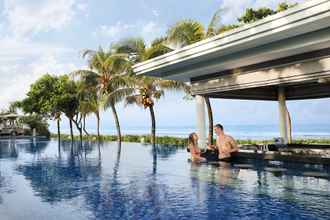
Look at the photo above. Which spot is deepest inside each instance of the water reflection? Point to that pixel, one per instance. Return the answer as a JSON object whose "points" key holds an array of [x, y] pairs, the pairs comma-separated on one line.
{"points": [[55, 179], [8, 149], [101, 180], [265, 184], [164, 151]]}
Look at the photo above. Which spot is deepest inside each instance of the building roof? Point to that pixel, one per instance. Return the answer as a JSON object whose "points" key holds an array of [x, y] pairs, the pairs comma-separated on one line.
{"points": [[297, 31]]}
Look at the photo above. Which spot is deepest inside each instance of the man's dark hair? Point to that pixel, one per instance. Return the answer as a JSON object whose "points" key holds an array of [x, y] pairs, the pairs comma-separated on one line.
{"points": [[219, 126]]}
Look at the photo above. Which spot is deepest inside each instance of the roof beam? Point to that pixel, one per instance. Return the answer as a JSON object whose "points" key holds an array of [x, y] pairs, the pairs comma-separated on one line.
{"points": [[297, 73]]}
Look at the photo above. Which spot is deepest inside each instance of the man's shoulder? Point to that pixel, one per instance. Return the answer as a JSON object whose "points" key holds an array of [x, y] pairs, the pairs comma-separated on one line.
{"points": [[228, 137]]}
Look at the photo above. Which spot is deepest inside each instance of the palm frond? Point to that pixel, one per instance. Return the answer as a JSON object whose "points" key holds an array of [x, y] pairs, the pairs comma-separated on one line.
{"points": [[172, 85], [117, 82], [87, 53], [134, 47], [134, 99], [214, 24], [155, 51], [158, 94], [185, 32], [116, 96], [84, 74]]}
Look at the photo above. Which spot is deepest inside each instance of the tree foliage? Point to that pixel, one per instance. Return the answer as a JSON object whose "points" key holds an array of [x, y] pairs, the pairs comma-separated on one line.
{"points": [[252, 15], [42, 96], [185, 32], [37, 122]]}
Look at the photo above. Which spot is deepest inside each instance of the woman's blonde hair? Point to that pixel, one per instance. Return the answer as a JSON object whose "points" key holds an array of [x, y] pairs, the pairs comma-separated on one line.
{"points": [[191, 139]]}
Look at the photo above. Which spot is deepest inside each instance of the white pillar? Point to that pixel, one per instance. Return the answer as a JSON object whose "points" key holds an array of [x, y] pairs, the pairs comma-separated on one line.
{"points": [[283, 114], [289, 125], [200, 120]]}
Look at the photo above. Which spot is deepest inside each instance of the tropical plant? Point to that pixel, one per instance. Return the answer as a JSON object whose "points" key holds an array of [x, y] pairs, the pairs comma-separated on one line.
{"points": [[142, 90], [251, 15], [37, 122], [42, 99], [145, 91], [89, 101], [106, 74], [68, 103], [185, 32], [284, 6]]}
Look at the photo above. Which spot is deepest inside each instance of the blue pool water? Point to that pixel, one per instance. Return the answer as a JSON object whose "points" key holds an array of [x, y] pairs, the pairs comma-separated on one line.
{"points": [[38, 180]]}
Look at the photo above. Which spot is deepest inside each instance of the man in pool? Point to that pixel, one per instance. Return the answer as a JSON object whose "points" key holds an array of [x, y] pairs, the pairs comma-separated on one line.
{"points": [[225, 144]]}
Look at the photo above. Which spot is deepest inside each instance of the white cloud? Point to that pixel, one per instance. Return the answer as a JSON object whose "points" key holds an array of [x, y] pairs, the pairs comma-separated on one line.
{"points": [[151, 30], [16, 79], [22, 59], [148, 30], [155, 12], [13, 49], [30, 17], [113, 31], [83, 6]]}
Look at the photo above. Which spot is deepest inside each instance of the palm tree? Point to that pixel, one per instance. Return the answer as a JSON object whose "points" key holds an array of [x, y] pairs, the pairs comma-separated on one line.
{"points": [[141, 90], [89, 100], [146, 91], [107, 68], [187, 32]]}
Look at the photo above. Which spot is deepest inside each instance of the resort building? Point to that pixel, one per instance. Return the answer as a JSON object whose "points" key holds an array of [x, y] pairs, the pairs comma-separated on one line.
{"points": [[285, 56]]}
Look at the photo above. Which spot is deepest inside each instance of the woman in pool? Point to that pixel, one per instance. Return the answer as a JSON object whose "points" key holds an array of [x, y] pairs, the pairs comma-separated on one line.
{"points": [[194, 149], [209, 154]]}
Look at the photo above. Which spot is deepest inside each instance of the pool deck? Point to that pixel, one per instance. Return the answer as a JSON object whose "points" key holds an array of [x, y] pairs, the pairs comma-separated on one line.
{"points": [[283, 156], [298, 153]]}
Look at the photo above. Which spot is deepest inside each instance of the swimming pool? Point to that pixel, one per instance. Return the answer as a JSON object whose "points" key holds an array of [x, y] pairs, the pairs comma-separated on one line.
{"points": [[38, 180]]}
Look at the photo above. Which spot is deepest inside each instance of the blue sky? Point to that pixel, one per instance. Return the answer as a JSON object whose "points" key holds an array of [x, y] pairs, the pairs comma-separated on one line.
{"points": [[40, 36]]}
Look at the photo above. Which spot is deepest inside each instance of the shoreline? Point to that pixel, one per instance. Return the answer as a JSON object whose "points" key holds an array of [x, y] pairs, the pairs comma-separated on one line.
{"points": [[178, 141]]}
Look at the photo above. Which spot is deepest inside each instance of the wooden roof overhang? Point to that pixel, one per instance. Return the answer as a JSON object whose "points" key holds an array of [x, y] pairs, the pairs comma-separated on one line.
{"points": [[290, 49]]}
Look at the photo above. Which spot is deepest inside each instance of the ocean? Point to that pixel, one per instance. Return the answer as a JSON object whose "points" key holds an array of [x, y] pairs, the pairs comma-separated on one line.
{"points": [[238, 131]]}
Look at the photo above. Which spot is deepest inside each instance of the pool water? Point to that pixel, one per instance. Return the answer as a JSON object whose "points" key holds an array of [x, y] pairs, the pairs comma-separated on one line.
{"points": [[40, 180]]}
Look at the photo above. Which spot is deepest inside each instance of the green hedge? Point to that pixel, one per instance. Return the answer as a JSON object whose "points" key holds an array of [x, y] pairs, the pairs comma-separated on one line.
{"points": [[167, 140]]}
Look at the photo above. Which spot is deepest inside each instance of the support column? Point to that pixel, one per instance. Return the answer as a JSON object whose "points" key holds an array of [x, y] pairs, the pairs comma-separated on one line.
{"points": [[200, 120], [289, 124], [283, 115]]}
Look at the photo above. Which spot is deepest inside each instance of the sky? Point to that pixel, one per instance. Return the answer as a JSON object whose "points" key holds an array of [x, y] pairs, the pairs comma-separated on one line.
{"points": [[47, 36]]}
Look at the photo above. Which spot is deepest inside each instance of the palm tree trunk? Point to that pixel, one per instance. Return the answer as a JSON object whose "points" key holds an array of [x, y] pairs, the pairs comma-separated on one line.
{"points": [[210, 116], [71, 130], [153, 125], [58, 131], [80, 135], [115, 115], [84, 125], [79, 127], [98, 124]]}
